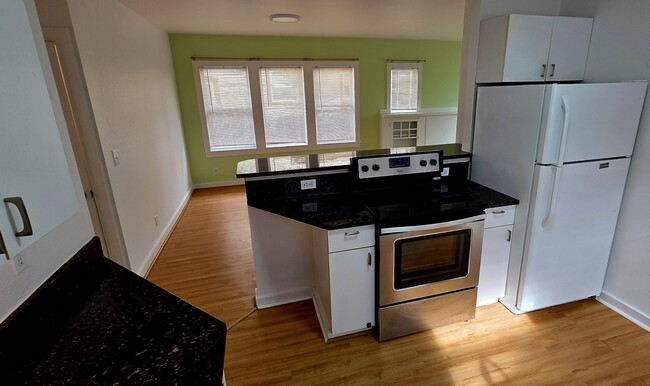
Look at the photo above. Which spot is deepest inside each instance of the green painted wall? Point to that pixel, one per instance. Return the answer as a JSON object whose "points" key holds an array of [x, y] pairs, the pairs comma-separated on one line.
{"points": [[441, 79]]}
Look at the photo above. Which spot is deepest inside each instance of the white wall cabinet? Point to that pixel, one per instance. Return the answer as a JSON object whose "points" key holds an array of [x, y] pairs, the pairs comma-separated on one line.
{"points": [[33, 162], [344, 280], [495, 254], [530, 48]]}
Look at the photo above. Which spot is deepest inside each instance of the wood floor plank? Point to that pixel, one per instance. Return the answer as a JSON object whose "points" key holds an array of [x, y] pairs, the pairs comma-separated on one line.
{"points": [[208, 262]]}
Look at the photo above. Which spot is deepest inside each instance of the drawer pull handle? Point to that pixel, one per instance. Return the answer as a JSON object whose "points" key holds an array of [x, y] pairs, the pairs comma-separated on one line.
{"points": [[498, 211], [20, 205], [348, 234], [3, 247]]}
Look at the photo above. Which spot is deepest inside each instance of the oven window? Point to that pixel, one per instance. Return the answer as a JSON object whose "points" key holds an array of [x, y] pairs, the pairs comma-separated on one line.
{"points": [[432, 258]]}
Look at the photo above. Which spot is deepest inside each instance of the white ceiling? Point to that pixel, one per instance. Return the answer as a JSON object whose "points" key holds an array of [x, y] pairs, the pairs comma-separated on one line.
{"points": [[401, 19]]}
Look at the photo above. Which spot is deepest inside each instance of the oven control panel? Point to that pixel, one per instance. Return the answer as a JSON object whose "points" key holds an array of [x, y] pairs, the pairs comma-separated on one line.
{"points": [[397, 164]]}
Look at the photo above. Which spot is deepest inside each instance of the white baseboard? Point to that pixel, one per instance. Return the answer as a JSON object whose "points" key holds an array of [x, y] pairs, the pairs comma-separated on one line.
{"points": [[219, 184], [280, 298], [625, 310], [160, 243]]}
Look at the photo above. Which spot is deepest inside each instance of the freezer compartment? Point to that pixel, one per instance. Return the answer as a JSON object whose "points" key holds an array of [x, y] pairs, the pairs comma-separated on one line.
{"points": [[590, 121], [573, 215]]}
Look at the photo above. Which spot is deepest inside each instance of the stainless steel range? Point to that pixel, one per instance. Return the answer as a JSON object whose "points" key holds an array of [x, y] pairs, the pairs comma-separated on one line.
{"points": [[429, 240]]}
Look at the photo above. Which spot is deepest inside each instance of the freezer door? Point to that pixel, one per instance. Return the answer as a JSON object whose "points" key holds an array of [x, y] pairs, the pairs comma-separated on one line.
{"points": [[570, 230], [590, 121]]}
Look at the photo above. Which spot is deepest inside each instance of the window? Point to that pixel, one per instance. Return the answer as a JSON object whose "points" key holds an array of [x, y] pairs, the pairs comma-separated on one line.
{"points": [[405, 85], [334, 104], [250, 107], [283, 106], [228, 108]]}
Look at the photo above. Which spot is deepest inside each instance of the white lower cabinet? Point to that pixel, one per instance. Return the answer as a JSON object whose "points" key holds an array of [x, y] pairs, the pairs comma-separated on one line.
{"points": [[352, 287], [495, 254], [344, 280]]}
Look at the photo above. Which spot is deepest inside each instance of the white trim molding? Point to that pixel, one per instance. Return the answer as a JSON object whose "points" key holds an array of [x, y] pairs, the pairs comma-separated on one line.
{"points": [[280, 298], [148, 263], [218, 184], [625, 310]]}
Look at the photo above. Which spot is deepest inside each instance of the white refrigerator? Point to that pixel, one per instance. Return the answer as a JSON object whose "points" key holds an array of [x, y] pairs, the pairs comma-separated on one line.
{"points": [[564, 151]]}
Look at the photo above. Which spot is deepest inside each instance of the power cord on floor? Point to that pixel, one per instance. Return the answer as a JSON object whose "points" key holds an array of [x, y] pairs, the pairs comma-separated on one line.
{"points": [[242, 318]]}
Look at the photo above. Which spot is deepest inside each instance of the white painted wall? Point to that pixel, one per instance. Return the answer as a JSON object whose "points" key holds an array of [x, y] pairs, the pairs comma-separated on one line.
{"points": [[475, 11], [128, 70], [54, 13], [620, 50], [45, 256]]}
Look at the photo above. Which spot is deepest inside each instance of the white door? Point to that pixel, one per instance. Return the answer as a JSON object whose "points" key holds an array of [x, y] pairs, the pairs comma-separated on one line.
{"points": [[352, 286], [33, 164], [567, 57], [75, 138], [570, 231], [527, 48], [594, 121], [495, 254]]}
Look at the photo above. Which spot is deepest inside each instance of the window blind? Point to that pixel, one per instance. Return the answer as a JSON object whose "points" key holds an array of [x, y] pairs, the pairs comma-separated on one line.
{"points": [[334, 104], [283, 106], [228, 108], [404, 89]]}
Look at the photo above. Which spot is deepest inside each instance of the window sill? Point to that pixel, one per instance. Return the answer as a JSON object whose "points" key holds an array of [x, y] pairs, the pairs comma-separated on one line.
{"points": [[427, 112], [284, 150]]}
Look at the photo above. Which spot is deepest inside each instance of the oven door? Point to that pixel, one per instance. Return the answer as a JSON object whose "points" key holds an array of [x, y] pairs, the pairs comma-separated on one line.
{"points": [[427, 260]]}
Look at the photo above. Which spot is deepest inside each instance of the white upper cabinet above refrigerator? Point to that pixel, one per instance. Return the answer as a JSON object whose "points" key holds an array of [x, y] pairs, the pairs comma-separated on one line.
{"points": [[530, 48], [590, 121]]}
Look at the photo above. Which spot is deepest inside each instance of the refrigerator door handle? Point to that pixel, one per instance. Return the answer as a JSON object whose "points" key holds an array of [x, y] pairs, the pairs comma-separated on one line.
{"points": [[565, 130], [550, 207]]}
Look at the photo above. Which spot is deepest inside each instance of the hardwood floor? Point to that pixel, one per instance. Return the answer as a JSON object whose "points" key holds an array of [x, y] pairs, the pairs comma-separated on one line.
{"points": [[207, 261]]}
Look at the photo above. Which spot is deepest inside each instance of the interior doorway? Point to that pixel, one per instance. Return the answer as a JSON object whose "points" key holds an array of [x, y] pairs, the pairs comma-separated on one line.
{"points": [[75, 139]]}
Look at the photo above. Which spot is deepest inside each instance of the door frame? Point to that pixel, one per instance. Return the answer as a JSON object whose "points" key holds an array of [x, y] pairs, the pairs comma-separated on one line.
{"points": [[90, 142]]}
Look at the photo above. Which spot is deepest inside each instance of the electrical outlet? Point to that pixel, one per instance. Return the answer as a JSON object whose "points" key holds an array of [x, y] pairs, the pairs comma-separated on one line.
{"points": [[155, 219], [215, 171], [308, 184], [19, 263]]}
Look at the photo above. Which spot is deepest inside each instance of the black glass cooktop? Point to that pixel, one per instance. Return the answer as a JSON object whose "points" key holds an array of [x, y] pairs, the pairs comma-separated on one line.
{"points": [[418, 204]]}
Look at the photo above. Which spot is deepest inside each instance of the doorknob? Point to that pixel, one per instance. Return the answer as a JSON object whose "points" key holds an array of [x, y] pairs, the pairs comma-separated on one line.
{"points": [[3, 247], [27, 225]]}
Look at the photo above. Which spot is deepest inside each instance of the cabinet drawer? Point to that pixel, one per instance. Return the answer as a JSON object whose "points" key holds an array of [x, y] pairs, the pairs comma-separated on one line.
{"points": [[351, 238], [503, 215]]}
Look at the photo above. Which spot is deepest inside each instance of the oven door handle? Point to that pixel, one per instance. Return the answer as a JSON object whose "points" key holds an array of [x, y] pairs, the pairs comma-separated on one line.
{"points": [[426, 227]]}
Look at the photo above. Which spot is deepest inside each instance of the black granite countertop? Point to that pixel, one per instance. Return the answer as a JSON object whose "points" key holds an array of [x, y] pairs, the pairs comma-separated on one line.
{"points": [[336, 211], [328, 212], [94, 322], [331, 161]]}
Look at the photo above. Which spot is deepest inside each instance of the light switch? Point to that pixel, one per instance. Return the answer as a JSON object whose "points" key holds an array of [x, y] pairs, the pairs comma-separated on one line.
{"points": [[116, 157]]}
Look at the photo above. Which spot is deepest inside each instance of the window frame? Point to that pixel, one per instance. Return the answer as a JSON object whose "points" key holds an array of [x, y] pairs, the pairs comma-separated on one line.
{"points": [[253, 67], [418, 65]]}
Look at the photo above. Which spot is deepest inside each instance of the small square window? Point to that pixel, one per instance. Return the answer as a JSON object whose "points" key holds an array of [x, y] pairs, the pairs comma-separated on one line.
{"points": [[404, 86]]}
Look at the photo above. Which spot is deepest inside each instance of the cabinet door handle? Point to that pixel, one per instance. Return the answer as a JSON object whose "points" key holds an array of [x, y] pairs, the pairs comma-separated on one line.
{"points": [[3, 247], [27, 225], [369, 259], [347, 234], [543, 71], [509, 235], [552, 70]]}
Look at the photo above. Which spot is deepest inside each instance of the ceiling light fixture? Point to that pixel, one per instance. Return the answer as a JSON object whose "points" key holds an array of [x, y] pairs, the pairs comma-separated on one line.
{"points": [[284, 18]]}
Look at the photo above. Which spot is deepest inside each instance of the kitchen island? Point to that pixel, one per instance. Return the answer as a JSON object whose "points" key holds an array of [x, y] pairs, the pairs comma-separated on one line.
{"points": [[306, 209]]}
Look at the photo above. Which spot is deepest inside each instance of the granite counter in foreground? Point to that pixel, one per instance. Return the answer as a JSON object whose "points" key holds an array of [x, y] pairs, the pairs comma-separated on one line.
{"points": [[94, 322]]}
